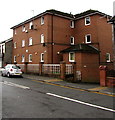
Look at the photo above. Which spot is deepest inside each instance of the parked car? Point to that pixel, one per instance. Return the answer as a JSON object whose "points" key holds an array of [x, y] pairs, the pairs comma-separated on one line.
{"points": [[11, 70]]}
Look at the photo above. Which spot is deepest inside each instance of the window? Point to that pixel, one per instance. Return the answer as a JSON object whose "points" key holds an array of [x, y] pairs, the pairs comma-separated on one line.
{"points": [[72, 40], [30, 57], [15, 31], [42, 20], [23, 43], [23, 58], [88, 38], [15, 44], [71, 57], [3, 48], [23, 28], [31, 25], [72, 24], [87, 21], [42, 57], [30, 41], [42, 38], [14, 58], [107, 57]]}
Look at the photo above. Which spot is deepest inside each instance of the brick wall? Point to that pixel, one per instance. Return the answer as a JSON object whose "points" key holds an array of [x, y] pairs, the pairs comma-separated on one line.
{"points": [[101, 35]]}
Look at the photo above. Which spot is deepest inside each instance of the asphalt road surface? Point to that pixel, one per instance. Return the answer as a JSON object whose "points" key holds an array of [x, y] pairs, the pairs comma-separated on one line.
{"points": [[27, 98]]}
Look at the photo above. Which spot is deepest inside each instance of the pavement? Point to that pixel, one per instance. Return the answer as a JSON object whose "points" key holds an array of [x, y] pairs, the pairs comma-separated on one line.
{"points": [[90, 87]]}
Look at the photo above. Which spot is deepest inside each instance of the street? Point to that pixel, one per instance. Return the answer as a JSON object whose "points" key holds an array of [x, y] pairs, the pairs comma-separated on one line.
{"points": [[27, 98]]}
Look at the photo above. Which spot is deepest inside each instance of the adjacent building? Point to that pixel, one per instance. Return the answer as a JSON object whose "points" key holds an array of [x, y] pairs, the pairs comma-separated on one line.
{"points": [[54, 36], [112, 21], [6, 52]]}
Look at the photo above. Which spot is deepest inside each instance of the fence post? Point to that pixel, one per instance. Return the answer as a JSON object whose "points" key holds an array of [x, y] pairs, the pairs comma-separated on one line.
{"points": [[74, 71], [25, 67], [103, 75], [40, 68], [62, 69]]}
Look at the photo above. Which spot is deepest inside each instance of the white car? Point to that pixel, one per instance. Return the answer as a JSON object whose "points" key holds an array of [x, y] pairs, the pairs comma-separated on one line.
{"points": [[11, 70]]}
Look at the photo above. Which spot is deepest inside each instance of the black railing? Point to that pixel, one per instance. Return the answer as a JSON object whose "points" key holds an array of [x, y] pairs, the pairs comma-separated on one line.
{"points": [[111, 73]]}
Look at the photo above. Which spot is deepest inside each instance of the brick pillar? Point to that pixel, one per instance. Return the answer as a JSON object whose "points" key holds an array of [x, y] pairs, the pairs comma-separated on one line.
{"points": [[74, 72], [103, 75], [62, 70], [25, 67], [40, 68]]}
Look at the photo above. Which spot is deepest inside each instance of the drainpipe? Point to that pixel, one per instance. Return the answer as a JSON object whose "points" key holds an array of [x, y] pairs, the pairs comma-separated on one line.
{"points": [[52, 41], [114, 35], [113, 44]]}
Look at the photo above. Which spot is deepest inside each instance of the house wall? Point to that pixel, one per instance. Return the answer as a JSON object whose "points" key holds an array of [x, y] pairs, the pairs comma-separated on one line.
{"points": [[101, 35], [8, 53], [59, 35], [36, 48], [0, 60], [88, 64], [57, 32]]}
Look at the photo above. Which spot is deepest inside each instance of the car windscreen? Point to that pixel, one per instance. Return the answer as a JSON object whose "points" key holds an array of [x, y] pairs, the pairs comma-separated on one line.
{"points": [[16, 67]]}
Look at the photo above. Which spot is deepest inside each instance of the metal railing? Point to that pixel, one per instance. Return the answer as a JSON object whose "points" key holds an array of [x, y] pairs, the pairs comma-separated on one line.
{"points": [[51, 69], [69, 69], [33, 68]]}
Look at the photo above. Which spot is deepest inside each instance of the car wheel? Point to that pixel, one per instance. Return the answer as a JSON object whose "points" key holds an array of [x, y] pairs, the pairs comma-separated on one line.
{"points": [[8, 74], [2, 74]]}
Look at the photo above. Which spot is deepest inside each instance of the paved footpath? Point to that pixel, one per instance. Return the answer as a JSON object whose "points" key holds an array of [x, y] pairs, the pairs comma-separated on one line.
{"points": [[90, 87]]}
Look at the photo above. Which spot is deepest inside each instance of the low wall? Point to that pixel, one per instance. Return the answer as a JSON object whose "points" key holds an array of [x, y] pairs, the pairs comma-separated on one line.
{"points": [[110, 81], [33, 68]]}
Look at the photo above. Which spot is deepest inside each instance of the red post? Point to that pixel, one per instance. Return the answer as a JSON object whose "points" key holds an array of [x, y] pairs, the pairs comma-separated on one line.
{"points": [[25, 67], [63, 70], [103, 75], [40, 68], [74, 72]]}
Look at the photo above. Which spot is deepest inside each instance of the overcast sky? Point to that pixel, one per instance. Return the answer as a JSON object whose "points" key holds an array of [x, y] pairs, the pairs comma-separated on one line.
{"points": [[13, 12]]}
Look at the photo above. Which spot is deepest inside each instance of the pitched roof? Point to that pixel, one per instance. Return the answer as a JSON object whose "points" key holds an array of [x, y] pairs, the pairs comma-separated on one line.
{"points": [[90, 12], [113, 19], [61, 14], [5, 41], [51, 11], [84, 48], [56, 12]]}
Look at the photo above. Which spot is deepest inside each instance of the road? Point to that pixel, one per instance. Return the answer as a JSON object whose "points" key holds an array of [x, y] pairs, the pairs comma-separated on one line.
{"points": [[26, 98]]}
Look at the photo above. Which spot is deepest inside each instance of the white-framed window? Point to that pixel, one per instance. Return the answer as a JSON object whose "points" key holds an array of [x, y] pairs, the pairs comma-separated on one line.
{"points": [[88, 38], [42, 38], [42, 20], [23, 58], [15, 58], [108, 57], [72, 24], [15, 32], [72, 40], [71, 57], [42, 57], [30, 57], [15, 45], [31, 26], [23, 28], [30, 41], [87, 21], [3, 48], [23, 43]]}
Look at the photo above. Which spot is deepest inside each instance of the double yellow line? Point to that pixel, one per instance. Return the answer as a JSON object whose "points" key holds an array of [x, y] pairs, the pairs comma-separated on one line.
{"points": [[69, 87]]}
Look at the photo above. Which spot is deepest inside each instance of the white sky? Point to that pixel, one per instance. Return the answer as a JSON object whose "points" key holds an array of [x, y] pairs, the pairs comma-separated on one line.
{"points": [[13, 12]]}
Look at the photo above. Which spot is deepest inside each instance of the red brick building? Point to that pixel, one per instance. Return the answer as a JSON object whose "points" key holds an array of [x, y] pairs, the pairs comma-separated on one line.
{"points": [[44, 37]]}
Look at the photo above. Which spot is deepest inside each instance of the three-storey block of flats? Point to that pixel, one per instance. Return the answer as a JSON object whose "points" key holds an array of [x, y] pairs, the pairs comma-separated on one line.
{"points": [[54, 36]]}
